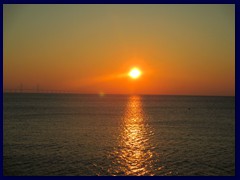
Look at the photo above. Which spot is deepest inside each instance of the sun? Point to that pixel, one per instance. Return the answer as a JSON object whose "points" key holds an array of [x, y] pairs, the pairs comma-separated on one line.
{"points": [[134, 73]]}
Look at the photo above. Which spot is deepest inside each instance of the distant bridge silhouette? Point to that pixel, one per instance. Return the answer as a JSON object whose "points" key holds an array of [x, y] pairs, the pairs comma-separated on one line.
{"points": [[20, 90]]}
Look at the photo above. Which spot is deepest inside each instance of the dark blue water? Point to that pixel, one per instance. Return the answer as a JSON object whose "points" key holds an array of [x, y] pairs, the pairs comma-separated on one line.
{"points": [[63, 134]]}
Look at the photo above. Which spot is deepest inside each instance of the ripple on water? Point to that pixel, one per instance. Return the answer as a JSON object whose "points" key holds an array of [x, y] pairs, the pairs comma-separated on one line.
{"points": [[135, 153]]}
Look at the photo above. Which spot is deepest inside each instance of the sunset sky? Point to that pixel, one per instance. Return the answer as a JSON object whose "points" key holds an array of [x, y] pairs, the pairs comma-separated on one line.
{"points": [[180, 49]]}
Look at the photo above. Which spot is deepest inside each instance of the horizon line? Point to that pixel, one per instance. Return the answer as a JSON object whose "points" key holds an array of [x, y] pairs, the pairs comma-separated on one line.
{"points": [[104, 94]]}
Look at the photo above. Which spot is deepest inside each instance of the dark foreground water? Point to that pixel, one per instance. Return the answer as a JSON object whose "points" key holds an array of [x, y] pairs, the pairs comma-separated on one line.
{"points": [[57, 134]]}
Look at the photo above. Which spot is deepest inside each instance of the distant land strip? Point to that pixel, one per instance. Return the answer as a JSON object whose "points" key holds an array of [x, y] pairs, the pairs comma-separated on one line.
{"points": [[35, 91]]}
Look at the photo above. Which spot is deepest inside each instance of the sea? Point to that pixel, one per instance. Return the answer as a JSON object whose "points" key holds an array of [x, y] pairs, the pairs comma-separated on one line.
{"points": [[118, 135]]}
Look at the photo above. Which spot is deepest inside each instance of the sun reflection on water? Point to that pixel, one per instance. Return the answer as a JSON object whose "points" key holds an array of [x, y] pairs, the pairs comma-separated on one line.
{"points": [[134, 155]]}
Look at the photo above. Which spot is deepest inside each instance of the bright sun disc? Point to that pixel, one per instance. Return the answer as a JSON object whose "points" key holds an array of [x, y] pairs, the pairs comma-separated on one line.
{"points": [[134, 73]]}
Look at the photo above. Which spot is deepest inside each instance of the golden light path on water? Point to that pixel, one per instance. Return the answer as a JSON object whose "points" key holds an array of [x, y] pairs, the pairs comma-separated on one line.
{"points": [[134, 155]]}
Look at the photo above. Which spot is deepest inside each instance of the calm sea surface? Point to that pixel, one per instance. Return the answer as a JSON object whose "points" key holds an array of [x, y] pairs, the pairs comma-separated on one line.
{"points": [[60, 134]]}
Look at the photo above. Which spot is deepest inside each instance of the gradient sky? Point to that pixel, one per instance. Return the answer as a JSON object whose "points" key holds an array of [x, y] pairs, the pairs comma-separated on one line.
{"points": [[181, 49]]}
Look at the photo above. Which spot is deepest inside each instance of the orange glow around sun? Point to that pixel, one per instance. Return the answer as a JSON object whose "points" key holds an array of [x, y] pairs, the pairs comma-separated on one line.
{"points": [[134, 73]]}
